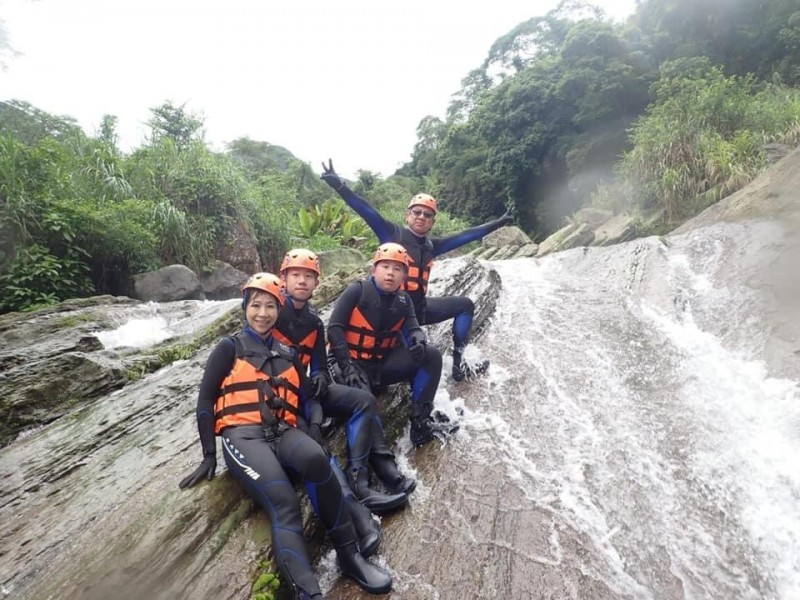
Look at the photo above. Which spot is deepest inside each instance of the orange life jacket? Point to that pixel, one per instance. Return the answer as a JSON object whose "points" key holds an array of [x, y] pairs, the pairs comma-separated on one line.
{"points": [[298, 329], [420, 262], [263, 386], [372, 330]]}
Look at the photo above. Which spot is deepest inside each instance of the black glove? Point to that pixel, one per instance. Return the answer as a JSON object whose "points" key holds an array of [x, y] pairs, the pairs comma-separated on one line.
{"points": [[506, 218], [355, 377], [204, 471], [315, 433], [417, 350], [319, 385], [330, 177]]}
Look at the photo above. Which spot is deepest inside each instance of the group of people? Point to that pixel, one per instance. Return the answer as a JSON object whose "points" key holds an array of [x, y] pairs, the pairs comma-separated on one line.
{"points": [[267, 390]]}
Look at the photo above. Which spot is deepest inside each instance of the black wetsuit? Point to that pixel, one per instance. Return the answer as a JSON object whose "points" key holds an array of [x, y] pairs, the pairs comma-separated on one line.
{"points": [[422, 249], [359, 407], [398, 365], [266, 469]]}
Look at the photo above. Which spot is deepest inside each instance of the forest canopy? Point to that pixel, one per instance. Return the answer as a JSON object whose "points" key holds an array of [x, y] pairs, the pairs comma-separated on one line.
{"points": [[656, 117]]}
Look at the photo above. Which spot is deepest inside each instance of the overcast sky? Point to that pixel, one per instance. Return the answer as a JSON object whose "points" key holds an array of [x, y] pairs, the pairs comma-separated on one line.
{"points": [[347, 79]]}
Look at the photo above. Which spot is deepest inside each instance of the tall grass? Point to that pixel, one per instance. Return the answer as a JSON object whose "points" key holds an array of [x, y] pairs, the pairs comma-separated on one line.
{"points": [[702, 139]]}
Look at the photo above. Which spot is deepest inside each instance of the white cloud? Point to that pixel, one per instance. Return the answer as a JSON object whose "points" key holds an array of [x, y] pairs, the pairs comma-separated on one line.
{"points": [[347, 79]]}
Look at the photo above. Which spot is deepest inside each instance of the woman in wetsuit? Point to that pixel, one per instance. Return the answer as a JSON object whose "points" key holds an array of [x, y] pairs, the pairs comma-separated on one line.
{"points": [[254, 396]]}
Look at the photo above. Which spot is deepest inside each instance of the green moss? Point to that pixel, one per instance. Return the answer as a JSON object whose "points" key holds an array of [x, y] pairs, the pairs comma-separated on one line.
{"points": [[69, 321], [267, 582], [169, 354]]}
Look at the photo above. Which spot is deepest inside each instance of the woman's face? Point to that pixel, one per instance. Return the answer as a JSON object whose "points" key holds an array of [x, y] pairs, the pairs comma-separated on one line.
{"points": [[261, 312]]}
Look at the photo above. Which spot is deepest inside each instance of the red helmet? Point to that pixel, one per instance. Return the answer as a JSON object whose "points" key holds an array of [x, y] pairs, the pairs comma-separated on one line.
{"points": [[425, 200], [391, 251], [302, 259], [265, 282]]}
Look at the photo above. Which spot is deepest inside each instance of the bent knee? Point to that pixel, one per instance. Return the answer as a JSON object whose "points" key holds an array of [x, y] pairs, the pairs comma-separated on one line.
{"points": [[433, 357], [318, 468], [362, 401]]}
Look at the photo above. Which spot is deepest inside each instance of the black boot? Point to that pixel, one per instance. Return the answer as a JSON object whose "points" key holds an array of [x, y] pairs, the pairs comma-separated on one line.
{"points": [[424, 429], [367, 529], [385, 468], [377, 502], [463, 370], [371, 578]]}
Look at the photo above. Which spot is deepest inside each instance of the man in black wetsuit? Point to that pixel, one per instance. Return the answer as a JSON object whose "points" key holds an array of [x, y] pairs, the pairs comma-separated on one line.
{"points": [[422, 249]]}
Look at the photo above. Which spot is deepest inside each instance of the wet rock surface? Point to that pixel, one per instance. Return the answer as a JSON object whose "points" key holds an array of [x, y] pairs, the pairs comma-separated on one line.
{"points": [[632, 439], [90, 502]]}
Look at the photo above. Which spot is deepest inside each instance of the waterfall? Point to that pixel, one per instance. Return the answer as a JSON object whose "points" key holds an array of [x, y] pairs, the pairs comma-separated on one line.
{"points": [[637, 436]]}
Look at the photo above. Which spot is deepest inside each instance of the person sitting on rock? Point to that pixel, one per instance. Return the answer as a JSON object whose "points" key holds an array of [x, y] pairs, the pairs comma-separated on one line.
{"points": [[300, 327], [256, 398], [375, 340], [422, 249]]}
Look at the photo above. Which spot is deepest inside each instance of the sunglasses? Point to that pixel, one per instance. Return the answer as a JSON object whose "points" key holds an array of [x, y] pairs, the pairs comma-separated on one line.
{"points": [[422, 213]]}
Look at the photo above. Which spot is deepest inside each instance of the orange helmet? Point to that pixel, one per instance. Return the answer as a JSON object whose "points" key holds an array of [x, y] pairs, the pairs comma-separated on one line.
{"points": [[391, 251], [302, 259], [265, 282], [425, 200]]}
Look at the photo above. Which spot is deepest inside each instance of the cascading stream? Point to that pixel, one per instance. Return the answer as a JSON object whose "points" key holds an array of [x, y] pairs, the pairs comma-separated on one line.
{"points": [[629, 442], [636, 436]]}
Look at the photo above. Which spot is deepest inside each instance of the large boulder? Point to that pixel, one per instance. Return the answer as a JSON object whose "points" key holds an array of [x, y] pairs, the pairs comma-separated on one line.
{"points": [[175, 282], [505, 243], [222, 282], [572, 235], [102, 482]]}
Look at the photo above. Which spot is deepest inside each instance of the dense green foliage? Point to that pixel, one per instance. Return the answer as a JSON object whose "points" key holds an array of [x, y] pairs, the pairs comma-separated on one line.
{"points": [[79, 217], [561, 98], [703, 138], [660, 115]]}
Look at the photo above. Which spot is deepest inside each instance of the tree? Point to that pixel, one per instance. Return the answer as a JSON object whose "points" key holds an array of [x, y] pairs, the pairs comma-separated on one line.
{"points": [[175, 123], [259, 157], [31, 125], [108, 132]]}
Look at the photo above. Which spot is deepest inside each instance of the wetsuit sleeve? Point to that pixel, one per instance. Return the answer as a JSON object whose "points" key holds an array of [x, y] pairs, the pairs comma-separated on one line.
{"points": [[411, 329], [473, 234], [219, 364], [337, 324], [318, 351], [383, 229], [311, 409]]}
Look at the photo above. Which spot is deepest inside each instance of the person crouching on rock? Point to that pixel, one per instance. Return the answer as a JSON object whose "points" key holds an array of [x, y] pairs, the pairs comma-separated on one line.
{"points": [[256, 398], [375, 340]]}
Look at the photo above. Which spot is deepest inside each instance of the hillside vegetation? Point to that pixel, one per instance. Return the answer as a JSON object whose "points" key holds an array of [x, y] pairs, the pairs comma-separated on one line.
{"points": [[657, 117]]}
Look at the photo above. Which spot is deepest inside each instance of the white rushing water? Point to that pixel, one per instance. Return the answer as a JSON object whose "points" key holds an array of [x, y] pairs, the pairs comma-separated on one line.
{"points": [[673, 450], [151, 323]]}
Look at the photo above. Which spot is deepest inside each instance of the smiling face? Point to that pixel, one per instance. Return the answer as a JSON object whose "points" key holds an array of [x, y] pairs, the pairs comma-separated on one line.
{"points": [[261, 312], [389, 275], [300, 283], [420, 219]]}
